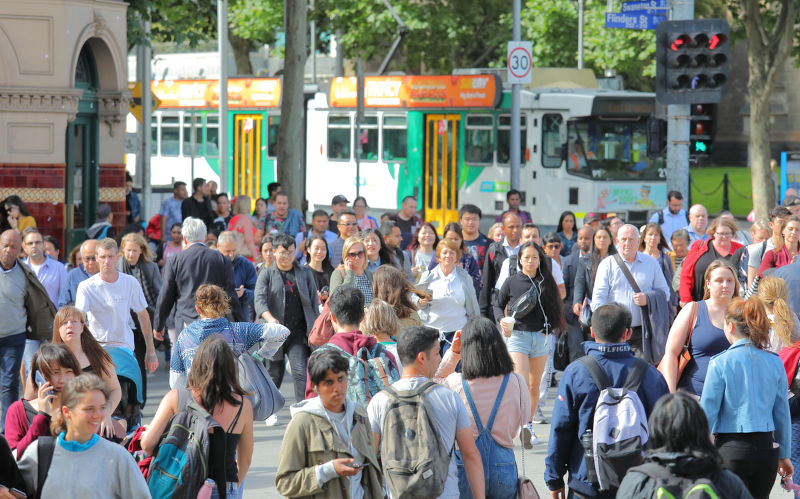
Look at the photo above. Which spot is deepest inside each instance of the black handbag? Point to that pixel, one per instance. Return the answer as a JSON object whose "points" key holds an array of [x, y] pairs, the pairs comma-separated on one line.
{"points": [[525, 303], [561, 353]]}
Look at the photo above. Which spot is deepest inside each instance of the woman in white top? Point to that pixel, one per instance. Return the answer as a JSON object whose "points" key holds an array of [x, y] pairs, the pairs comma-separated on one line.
{"points": [[453, 299], [784, 328]]}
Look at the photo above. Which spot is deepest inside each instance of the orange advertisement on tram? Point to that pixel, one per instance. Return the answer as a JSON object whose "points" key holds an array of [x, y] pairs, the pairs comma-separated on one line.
{"points": [[454, 91], [198, 94]]}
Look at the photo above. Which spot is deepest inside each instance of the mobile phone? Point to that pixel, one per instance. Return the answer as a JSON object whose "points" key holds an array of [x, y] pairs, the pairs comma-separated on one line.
{"points": [[18, 494], [40, 381], [359, 465]]}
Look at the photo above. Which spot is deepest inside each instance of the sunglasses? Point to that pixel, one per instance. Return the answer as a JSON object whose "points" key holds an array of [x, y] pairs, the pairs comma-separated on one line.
{"points": [[356, 254]]}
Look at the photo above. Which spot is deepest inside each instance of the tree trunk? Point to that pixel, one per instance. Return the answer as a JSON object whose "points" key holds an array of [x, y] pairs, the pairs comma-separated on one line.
{"points": [[766, 53], [291, 173], [241, 53]]}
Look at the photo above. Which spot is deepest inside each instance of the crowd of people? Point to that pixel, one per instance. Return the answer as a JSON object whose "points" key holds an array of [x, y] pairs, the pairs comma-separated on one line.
{"points": [[417, 354]]}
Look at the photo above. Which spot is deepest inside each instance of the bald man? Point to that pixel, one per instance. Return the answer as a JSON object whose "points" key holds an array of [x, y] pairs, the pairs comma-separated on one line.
{"points": [[86, 269], [13, 320], [698, 223], [611, 285]]}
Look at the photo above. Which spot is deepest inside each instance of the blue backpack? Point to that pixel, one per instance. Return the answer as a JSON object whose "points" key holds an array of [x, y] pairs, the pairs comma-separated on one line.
{"points": [[370, 371], [191, 449]]}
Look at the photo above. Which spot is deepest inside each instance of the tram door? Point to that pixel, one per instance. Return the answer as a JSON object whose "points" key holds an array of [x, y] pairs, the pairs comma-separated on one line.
{"points": [[247, 155], [441, 169]]}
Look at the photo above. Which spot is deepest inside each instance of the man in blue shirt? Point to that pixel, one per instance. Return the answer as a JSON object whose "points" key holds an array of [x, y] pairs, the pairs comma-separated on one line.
{"points": [[244, 273], [573, 410], [51, 273], [86, 269], [673, 216], [698, 223], [171, 209], [283, 219]]}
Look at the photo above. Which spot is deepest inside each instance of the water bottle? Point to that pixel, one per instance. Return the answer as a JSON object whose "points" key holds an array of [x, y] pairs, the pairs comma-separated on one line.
{"points": [[588, 455], [206, 489]]}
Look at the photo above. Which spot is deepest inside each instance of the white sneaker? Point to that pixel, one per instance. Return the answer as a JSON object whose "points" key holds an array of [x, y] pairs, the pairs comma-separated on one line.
{"points": [[272, 420], [528, 436], [534, 439]]}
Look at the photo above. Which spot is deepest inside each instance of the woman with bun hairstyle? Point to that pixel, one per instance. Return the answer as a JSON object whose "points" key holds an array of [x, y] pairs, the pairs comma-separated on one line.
{"points": [[83, 466], [744, 398], [29, 419]]}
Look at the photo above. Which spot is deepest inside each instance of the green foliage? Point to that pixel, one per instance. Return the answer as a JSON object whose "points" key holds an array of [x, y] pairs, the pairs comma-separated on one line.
{"points": [[257, 20], [180, 21]]}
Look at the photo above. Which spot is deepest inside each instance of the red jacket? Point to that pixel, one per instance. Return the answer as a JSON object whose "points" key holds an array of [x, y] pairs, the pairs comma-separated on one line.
{"points": [[18, 433], [698, 249]]}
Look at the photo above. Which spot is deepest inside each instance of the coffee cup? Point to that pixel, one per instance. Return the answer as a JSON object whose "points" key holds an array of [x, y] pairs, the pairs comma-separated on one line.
{"points": [[507, 323]]}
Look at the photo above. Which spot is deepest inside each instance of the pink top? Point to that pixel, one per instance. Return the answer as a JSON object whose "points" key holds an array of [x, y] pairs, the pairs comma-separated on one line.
{"points": [[514, 411]]}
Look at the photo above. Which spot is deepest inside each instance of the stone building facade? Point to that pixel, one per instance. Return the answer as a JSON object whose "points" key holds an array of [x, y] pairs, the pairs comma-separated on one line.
{"points": [[63, 101]]}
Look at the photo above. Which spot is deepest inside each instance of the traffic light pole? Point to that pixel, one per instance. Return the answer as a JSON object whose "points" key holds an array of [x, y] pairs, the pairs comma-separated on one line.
{"points": [[678, 121]]}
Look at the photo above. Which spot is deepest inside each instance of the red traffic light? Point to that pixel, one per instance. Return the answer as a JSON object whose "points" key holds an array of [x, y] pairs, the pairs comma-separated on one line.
{"points": [[717, 40], [681, 42]]}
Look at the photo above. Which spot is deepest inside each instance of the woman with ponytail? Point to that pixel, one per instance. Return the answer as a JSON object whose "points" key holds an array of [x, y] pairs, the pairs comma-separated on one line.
{"points": [[784, 326], [83, 465], [744, 398]]}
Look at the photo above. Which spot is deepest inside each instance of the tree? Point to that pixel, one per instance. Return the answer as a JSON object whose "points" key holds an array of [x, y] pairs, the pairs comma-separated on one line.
{"points": [[170, 21], [769, 26], [290, 133]]}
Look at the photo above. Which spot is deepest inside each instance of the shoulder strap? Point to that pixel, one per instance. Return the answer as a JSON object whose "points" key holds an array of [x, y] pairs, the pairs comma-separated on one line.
{"points": [[692, 321], [653, 470], [596, 370], [236, 418], [46, 448], [475, 416], [497, 401], [636, 375], [660, 217], [626, 271]]}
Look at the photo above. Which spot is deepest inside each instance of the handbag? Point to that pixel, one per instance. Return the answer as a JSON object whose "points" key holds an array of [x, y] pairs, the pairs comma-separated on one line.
{"points": [[686, 353], [561, 352], [585, 316], [254, 378]]}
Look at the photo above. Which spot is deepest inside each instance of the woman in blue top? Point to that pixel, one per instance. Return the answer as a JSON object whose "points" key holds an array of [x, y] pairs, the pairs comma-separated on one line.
{"points": [[212, 306], [567, 232], [708, 339], [744, 398]]}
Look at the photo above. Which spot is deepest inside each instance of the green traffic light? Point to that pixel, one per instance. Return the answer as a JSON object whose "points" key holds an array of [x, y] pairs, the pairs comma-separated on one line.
{"points": [[700, 147]]}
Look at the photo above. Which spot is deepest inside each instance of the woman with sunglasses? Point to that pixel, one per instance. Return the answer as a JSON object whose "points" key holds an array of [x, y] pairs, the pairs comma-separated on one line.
{"points": [[353, 269]]}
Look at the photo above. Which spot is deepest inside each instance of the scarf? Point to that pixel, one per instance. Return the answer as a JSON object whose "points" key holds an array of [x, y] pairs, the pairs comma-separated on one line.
{"points": [[137, 271]]}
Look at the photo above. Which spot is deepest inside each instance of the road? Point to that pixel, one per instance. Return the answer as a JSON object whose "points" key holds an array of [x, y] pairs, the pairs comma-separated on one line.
{"points": [[260, 481]]}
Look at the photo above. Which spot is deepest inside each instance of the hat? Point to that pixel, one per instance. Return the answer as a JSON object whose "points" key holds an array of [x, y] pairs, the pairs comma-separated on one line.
{"points": [[791, 200], [339, 199]]}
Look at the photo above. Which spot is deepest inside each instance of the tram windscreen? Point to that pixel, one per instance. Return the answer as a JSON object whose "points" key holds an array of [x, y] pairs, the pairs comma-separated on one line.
{"points": [[611, 150]]}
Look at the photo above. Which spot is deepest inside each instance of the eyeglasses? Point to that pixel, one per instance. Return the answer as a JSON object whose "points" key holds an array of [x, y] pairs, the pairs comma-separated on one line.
{"points": [[88, 259], [348, 224], [356, 254], [723, 234], [282, 254]]}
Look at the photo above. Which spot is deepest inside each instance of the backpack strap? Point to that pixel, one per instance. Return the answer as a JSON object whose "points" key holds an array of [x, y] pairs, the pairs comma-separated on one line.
{"points": [[653, 470], [45, 449], [636, 375], [596, 370], [661, 217]]}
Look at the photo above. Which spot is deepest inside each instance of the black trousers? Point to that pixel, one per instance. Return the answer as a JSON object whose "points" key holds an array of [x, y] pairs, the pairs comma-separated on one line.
{"points": [[296, 347], [752, 457]]}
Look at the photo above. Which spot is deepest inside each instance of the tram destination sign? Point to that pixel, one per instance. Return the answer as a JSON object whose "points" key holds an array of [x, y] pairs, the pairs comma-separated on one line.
{"points": [[634, 20]]}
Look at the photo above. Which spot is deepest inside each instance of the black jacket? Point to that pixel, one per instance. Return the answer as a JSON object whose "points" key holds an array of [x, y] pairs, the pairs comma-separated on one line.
{"points": [[190, 207], [582, 287], [495, 256], [270, 294], [183, 274]]}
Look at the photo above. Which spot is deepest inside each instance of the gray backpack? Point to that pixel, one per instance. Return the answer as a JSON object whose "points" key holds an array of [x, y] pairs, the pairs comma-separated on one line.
{"points": [[415, 461]]}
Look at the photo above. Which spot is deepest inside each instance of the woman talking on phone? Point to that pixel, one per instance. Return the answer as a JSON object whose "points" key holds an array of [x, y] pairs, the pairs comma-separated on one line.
{"points": [[328, 448]]}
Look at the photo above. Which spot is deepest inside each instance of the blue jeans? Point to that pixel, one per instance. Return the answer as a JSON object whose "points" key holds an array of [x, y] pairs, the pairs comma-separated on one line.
{"points": [[11, 349], [795, 457], [27, 356], [232, 491]]}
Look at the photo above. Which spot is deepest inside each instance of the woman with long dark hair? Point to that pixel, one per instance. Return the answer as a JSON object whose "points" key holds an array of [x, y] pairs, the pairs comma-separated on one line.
{"points": [[377, 252], [527, 334], [421, 250], [679, 446], [602, 246], [319, 262], [15, 215], [744, 398], [214, 385], [498, 403], [567, 231], [30, 417]]}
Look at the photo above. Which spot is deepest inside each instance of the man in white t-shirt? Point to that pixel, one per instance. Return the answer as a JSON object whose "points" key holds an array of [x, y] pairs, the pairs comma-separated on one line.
{"points": [[418, 348], [107, 299]]}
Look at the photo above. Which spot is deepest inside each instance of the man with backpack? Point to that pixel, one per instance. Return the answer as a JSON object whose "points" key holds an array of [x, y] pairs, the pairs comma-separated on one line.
{"points": [[417, 421], [592, 427], [372, 366], [672, 217]]}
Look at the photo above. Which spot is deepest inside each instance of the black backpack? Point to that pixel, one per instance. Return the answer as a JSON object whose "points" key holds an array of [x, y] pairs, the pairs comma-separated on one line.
{"points": [[670, 486], [191, 449]]}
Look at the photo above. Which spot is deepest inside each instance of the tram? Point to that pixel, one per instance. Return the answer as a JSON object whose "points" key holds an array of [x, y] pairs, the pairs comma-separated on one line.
{"points": [[444, 139]]}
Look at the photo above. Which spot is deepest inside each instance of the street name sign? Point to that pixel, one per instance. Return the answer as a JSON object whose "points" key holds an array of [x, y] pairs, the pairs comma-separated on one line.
{"points": [[633, 20]]}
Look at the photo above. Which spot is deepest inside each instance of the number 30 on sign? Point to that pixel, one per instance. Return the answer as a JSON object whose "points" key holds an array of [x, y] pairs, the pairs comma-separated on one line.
{"points": [[519, 62]]}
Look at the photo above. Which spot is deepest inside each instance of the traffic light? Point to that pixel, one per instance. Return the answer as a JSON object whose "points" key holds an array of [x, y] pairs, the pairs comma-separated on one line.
{"points": [[702, 130], [692, 60]]}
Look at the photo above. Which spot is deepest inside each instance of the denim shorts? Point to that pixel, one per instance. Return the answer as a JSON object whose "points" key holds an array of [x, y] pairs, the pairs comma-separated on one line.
{"points": [[531, 343]]}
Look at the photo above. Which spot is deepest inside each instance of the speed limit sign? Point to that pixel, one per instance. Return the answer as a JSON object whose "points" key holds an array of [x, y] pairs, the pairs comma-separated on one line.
{"points": [[519, 63]]}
